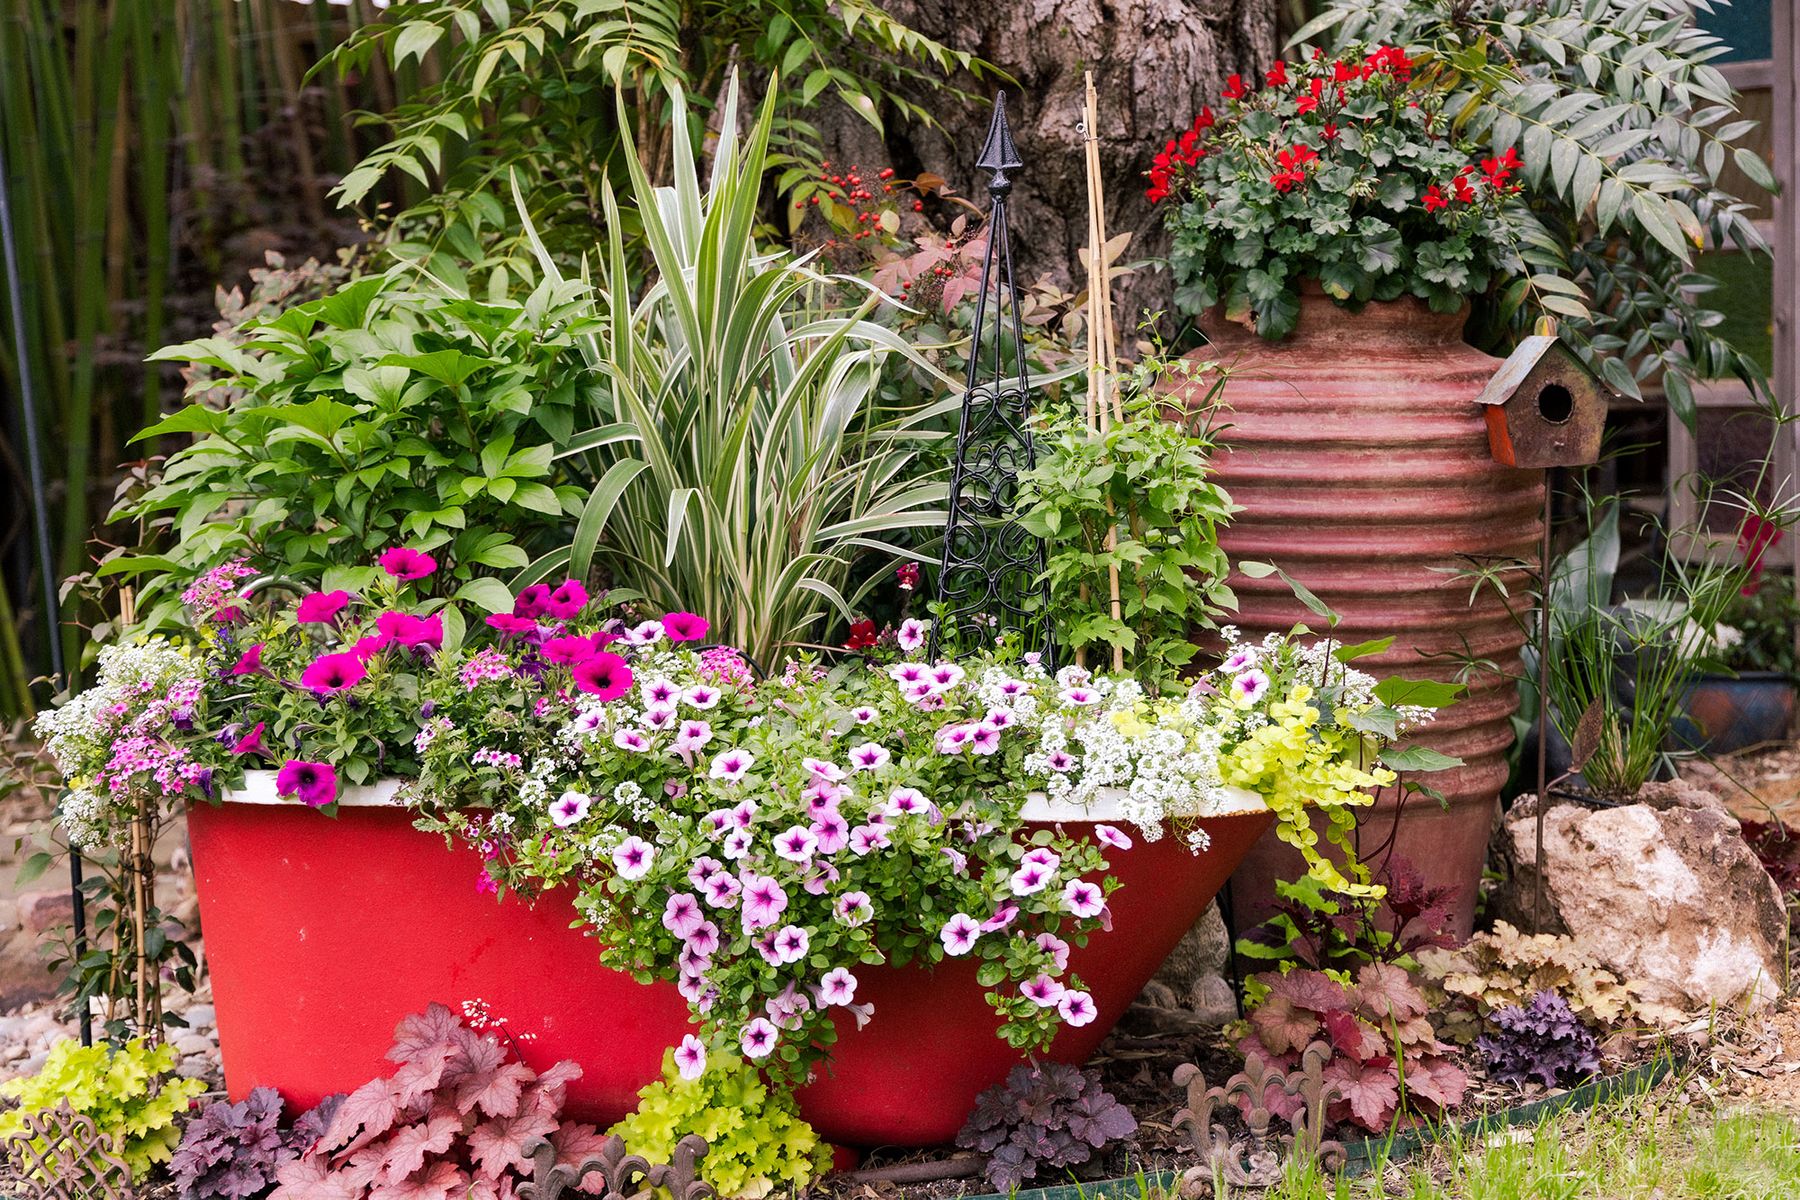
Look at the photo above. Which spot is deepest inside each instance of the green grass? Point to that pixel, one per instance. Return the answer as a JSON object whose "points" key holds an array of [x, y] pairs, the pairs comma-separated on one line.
{"points": [[1651, 1147]]}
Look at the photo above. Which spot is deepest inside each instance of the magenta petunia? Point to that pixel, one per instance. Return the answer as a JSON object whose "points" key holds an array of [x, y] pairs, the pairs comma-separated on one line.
{"points": [[569, 649], [405, 563], [332, 673], [567, 601], [685, 627], [313, 784], [532, 601], [370, 645], [511, 624], [250, 662], [321, 608], [251, 743], [605, 675], [415, 633]]}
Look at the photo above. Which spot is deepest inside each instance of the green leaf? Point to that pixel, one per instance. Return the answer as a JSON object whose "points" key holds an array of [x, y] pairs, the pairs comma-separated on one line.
{"points": [[415, 40], [195, 418], [1345, 654], [1419, 758], [1396, 692], [488, 593]]}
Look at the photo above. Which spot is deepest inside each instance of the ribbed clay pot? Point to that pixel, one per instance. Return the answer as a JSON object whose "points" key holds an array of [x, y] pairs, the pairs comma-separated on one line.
{"points": [[1361, 461]]}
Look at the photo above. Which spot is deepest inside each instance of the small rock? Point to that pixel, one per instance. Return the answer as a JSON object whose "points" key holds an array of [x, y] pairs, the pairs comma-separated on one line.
{"points": [[201, 1016], [193, 1043], [193, 1066], [35, 1063], [42, 911]]}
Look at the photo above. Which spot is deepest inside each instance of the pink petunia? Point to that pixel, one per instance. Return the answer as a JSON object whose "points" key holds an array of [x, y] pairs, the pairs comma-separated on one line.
{"points": [[1043, 991], [959, 934], [759, 1038], [415, 633], [1030, 878], [704, 939], [511, 624], [1076, 1008], [703, 868], [1083, 899], [865, 839], [406, 564], [721, 890], [632, 740], [332, 673], [250, 743], [831, 832], [250, 662], [604, 675], [681, 914], [1043, 856], [685, 627], [571, 808], [731, 765], [633, 858], [869, 757], [314, 784], [1249, 687], [701, 695], [1056, 948], [692, 736], [791, 944], [1109, 836], [911, 635], [763, 901], [690, 1057], [854, 908], [837, 988], [796, 844]]}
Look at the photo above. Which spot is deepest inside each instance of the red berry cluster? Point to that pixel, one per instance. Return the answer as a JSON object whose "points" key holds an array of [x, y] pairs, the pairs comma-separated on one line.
{"points": [[849, 189]]}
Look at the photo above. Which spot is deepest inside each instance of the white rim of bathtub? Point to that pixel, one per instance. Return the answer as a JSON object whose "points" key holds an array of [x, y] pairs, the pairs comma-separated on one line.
{"points": [[259, 788]]}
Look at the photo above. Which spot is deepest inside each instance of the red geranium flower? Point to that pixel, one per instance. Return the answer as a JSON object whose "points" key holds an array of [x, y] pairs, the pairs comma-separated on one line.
{"points": [[1234, 88], [1434, 199], [1277, 75]]}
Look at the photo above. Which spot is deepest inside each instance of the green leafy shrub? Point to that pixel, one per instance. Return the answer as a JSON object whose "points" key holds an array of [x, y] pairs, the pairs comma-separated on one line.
{"points": [[755, 1138], [1760, 621], [127, 1092], [391, 412], [1139, 498], [527, 88]]}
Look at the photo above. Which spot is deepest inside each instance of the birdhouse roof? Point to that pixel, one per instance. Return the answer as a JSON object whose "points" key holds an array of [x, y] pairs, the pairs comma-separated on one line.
{"points": [[1511, 375]]}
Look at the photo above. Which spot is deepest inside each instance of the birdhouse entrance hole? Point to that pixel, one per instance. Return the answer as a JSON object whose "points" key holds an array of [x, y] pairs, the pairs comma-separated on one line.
{"points": [[1555, 403]]}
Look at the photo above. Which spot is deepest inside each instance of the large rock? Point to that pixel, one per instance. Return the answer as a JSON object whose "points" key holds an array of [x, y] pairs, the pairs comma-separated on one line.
{"points": [[1663, 892]]}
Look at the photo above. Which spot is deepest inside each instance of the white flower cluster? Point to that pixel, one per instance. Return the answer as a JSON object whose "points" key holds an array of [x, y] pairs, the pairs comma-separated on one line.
{"points": [[135, 682]]}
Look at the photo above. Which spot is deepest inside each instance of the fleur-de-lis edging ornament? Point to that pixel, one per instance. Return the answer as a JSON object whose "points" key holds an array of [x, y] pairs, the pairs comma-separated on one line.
{"points": [[991, 579], [621, 1176], [1265, 1090]]}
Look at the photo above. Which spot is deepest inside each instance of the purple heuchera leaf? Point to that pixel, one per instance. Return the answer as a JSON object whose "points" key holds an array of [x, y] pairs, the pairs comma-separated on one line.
{"points": [[1543, 1040], [232, 1151], [1050, 1115]]}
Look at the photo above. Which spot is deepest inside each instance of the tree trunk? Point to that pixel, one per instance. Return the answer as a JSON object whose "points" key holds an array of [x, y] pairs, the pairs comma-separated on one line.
{"points": [[1155, 62]]}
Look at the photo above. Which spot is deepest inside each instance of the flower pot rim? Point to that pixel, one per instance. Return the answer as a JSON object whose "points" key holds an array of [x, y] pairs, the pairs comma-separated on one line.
{"points": [[258, 788], [1746, 677]]}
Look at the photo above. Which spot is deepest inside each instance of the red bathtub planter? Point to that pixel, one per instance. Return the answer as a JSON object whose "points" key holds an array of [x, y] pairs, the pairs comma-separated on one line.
{"points": [[321, 933]]}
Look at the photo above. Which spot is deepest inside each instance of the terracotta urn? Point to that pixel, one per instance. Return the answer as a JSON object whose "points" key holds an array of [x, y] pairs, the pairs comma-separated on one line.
{"points": [[1362, 463]]}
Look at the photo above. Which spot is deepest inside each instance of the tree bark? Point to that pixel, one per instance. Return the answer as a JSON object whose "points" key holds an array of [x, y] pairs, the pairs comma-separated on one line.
{"points": [[1155, 63]]}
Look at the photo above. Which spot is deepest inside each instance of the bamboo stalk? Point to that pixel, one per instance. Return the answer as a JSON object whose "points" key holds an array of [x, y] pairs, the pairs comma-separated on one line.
{"points": [[1102, 405]]}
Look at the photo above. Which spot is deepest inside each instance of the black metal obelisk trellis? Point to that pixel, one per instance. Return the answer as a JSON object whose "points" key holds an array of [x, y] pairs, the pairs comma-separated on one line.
{"points": [[991, 579]]}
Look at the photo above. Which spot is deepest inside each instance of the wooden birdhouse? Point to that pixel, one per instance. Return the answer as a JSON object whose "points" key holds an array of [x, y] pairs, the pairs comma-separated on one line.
{"points": [[1544, 407]]}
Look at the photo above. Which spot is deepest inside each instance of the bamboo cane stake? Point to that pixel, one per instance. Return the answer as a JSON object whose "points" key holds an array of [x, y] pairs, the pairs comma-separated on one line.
{"points": [[1102, 406]]}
